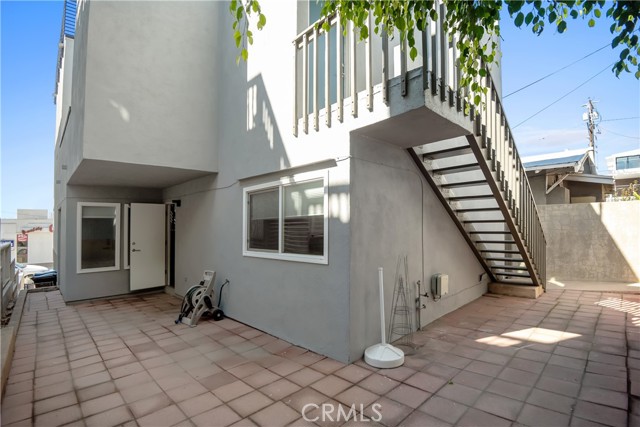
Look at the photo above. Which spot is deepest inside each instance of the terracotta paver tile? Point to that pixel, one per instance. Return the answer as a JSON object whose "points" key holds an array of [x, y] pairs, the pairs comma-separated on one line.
{"points": [[13, 414], [88, 369], [199, 404], [420, 419], [53, 403], [602, 381], [231, 362], [536, 356], [378, 384], [221, 416], [604, 397], [399, 374], [459, 393], [471, 379], [132, 394], [484, 368], [526, 365], [125, 370], [18, 399], [498, 405], [476, 418], [165, 416], [426, 382], [113, 417], [386, 411], [444, 409], [92, 379], [495, 358], [101, 404], [166, 371], [173, 381], [566, 388], [250, 403], [519, 377], [279, 389], [551, 401], [605, 358], [232, 390], [51, 390], [353, 373], [246, 369], [275, 415], [85, 361], [606, 369], [356, 396], [51, 370], [217, 380], [24, 376], [305, 376], [186, 391], [20, 387], [120, 361], [261, 378], [600, 414], [149, 405], [331, 385], [508, 389], [285, 368], [303, 397], [154, 362], [409, 396], [327, 366], [133, 380], [60, 416]]}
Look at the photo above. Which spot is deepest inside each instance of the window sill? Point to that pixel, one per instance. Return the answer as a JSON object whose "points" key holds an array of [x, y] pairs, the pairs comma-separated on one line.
{"points": [[310, 259], [98, 270]]}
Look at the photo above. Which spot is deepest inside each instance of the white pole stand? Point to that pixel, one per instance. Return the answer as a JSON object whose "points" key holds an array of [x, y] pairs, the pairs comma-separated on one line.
{"points": [[383, 355]]}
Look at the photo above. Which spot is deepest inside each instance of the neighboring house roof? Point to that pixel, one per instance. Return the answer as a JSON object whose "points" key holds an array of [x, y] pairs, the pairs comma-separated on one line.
{"points": [[564, 159]]}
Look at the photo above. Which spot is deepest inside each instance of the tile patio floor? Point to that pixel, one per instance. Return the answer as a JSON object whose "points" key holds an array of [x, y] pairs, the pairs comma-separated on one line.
{"points": [[568, 358]]}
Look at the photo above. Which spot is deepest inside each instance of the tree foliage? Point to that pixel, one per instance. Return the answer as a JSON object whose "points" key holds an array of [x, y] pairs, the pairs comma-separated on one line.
{"points": [[475, 22]]}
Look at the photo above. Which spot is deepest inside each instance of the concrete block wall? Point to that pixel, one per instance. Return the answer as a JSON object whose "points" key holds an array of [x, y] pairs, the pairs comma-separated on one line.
{"points": [[592, 241]]}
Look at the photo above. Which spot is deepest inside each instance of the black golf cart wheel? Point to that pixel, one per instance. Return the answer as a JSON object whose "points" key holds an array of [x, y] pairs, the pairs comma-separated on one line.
{"points": [[217, 314]]}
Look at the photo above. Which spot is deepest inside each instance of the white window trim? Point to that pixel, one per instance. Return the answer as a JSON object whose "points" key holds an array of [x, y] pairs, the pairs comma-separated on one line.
{"points": [[79, 238], [279, 255]]}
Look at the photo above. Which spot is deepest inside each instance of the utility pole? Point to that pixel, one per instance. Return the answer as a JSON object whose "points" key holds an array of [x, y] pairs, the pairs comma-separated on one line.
{"points": [[592, 117]]}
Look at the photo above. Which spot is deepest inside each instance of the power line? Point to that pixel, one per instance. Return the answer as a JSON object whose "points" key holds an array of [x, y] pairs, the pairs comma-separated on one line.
{"points": [[619, 134], [624, 118], [555, 72], [564, 96]]}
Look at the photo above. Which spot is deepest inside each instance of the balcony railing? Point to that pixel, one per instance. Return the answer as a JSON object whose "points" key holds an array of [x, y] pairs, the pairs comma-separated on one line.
{"points": [[7, 277], [67, 30], [333, 69]]}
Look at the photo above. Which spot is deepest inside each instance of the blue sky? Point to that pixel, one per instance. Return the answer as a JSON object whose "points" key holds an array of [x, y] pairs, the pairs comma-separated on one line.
{"points": [[29, 43]]}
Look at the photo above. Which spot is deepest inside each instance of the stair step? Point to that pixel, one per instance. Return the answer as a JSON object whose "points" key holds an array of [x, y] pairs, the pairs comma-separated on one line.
{"points": [[489, 232], [463, 184], [477, 197], [485, 221], [465, 167], [512, 274], [477, 210], [497, 242], [499, 251], [503, 259], [508, 267], [446, 152]]}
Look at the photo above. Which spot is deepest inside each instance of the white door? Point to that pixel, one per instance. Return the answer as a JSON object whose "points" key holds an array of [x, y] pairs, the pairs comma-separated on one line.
{"points": [[146, 246]]}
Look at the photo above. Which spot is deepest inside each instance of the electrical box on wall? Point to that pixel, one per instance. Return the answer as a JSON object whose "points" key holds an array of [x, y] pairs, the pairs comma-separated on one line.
{"points": [[439, 285]]}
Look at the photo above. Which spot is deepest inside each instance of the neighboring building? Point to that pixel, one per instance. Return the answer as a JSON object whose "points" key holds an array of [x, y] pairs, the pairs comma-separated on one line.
{"points": [[294, 184], [568, 176], [625, 168], [31, 237]]}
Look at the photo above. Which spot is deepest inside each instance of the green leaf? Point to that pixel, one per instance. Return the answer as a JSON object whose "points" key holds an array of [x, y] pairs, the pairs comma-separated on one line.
{"points": [[562, 26], [237, 36], [624, 54], [528, 18], [262, 21], [638, 74], [233, 6], [592, 22], [552, 17], [255, 6], [477, 99], [413, 53], [245, 54], [519, 19], [597, 13]]}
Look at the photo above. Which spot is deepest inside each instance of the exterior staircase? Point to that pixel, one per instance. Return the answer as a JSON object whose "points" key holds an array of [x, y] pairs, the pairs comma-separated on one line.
{"points": [[466, 153]]}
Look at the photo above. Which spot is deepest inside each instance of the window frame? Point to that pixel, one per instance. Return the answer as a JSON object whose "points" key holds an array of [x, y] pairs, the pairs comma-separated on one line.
{"points": [[280, 186], [116, 267]]}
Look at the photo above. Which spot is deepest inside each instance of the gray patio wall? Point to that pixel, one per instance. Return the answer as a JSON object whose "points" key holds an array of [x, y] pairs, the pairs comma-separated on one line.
{"points": [[593, 241], [394, 212]]}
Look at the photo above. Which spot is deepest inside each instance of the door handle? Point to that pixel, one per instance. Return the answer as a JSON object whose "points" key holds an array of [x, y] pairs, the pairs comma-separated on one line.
{"points": [[136, 250]]}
